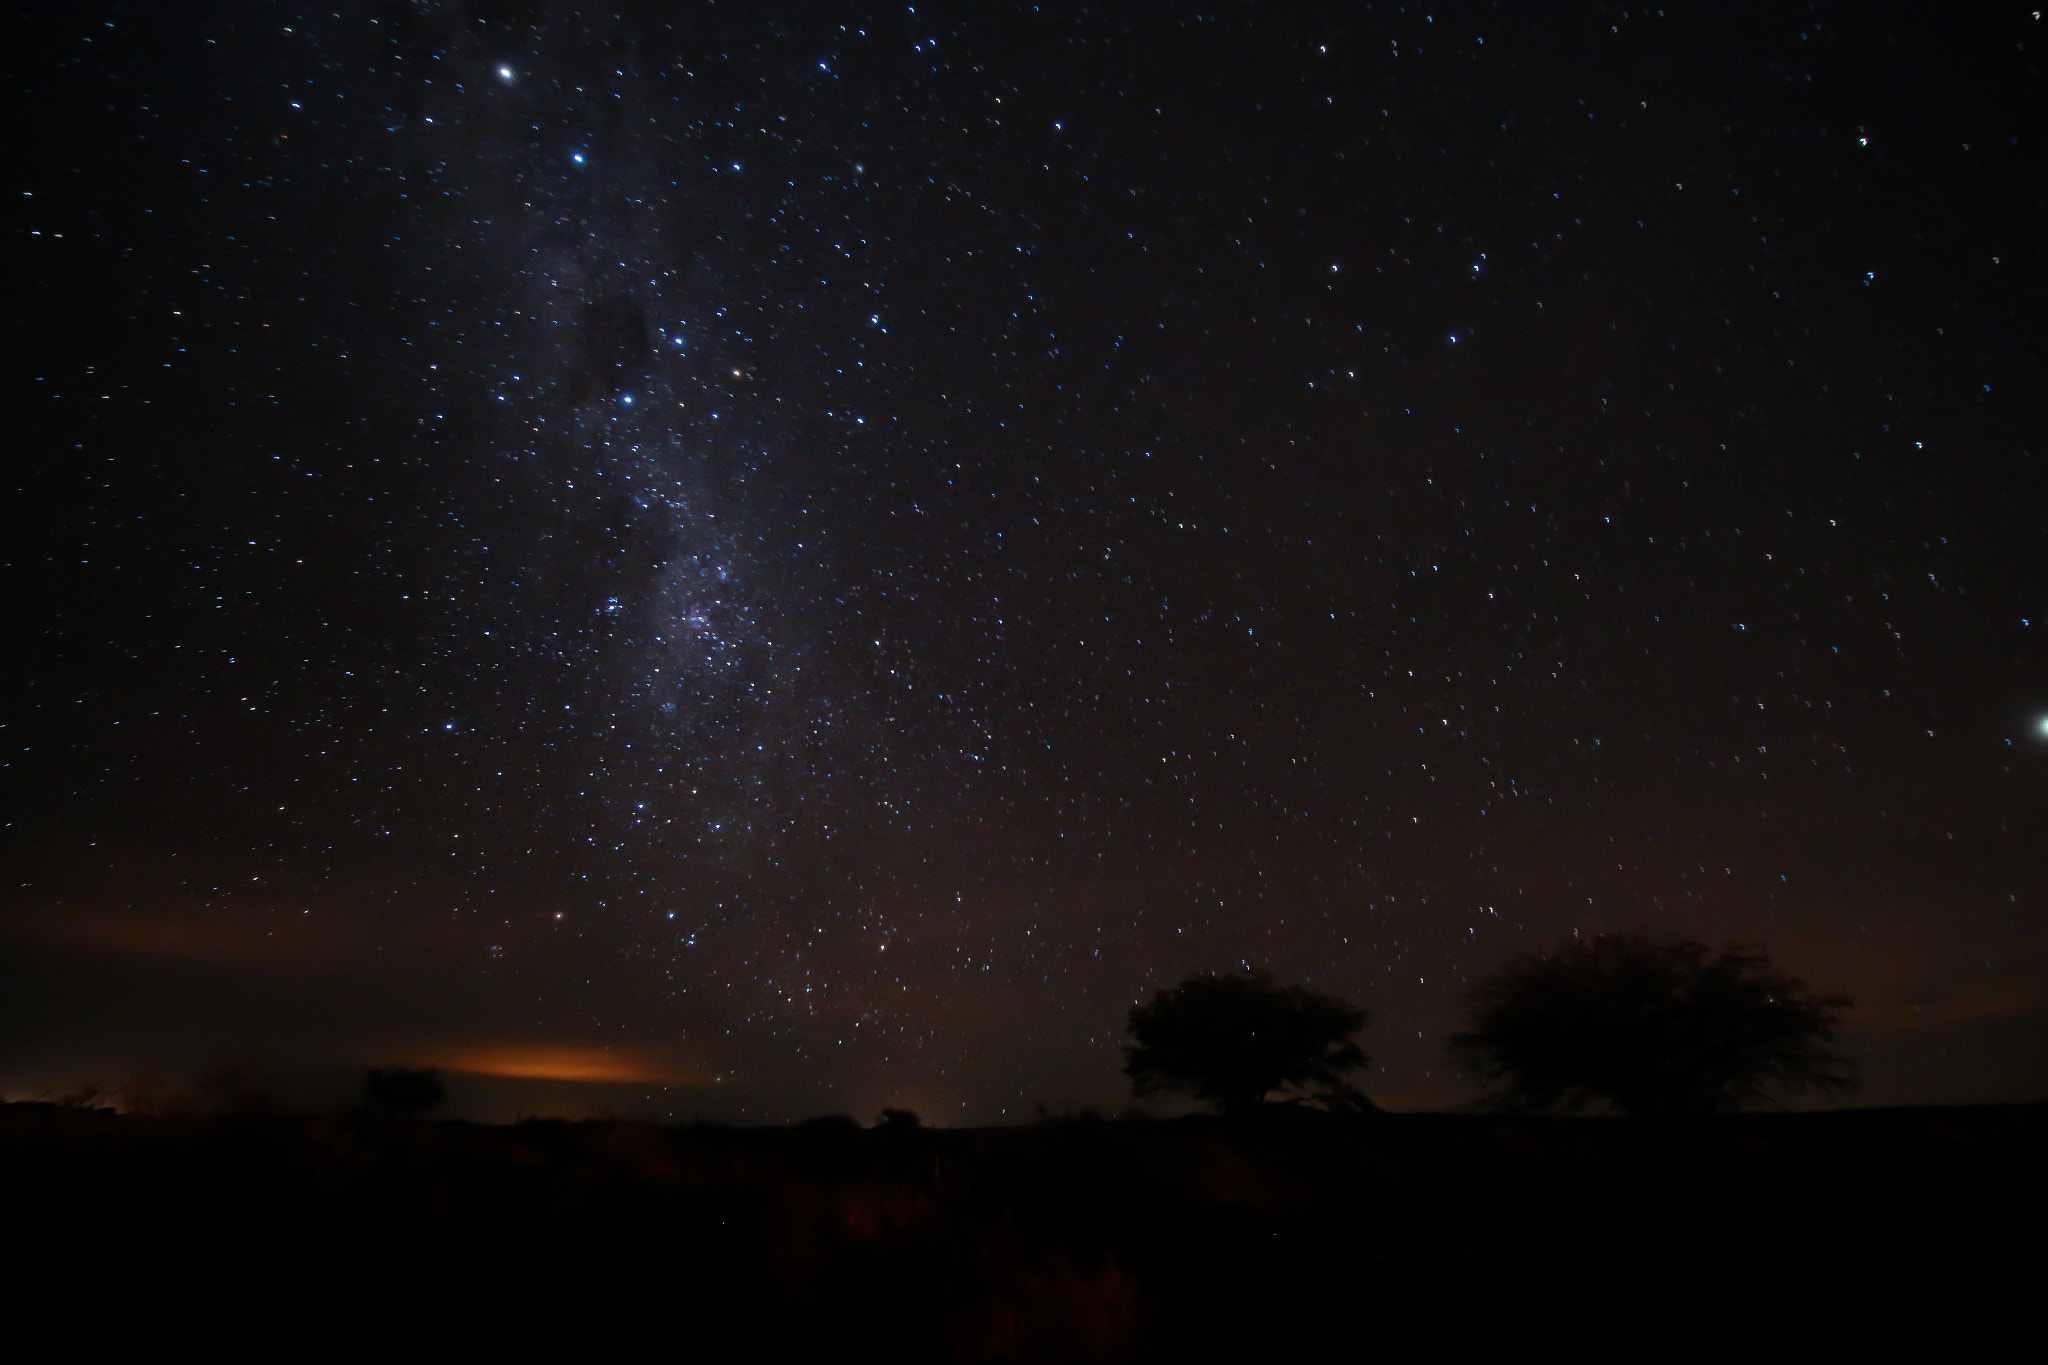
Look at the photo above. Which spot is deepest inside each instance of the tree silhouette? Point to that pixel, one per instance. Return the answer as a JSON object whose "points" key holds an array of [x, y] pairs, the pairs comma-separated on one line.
{"points": [[406, 1092], [1230, 1040], [1652, 1027]]}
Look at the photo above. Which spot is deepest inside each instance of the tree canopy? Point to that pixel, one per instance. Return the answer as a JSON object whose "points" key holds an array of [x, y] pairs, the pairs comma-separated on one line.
{"points": [[1651, 1027], [1231, 1040]]}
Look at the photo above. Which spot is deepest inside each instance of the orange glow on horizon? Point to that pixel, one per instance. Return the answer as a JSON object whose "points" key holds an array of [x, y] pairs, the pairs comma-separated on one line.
{"points": [[564, 1062]]}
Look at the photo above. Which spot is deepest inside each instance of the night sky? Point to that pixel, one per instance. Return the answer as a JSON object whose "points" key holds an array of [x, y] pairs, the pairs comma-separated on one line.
{"points": [[745, 561]]}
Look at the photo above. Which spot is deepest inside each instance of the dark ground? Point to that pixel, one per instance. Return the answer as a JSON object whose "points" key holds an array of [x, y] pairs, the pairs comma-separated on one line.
{"points": [[1390, 1237]]}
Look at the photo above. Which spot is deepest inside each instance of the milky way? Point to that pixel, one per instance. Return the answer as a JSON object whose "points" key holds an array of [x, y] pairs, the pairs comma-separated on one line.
{"points": [[832, 550]]}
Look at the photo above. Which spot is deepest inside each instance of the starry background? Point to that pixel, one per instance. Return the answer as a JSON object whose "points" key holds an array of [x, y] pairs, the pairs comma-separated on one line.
{"points": [[747, 560]]}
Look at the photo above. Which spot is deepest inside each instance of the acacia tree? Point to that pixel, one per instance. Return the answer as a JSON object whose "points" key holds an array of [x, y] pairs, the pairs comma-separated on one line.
{"points": [[1651, 1027], [1230, 1040]]}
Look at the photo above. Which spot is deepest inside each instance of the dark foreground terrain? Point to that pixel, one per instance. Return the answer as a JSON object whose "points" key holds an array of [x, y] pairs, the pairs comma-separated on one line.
{"points": [[1297, 1236]]}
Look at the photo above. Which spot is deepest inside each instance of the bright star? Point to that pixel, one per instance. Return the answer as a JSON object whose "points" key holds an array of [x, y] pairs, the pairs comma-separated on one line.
{"points": [[505, 74]]}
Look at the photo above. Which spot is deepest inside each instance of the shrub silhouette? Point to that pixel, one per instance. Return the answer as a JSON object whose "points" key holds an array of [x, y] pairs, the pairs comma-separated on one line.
{"points": [[1230, 1040], [404, 1091], [1651, 1027], [89, 1095]]}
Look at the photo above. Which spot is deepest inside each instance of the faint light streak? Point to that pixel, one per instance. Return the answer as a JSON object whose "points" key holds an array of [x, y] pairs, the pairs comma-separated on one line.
{"points": [[564, 1062]]}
